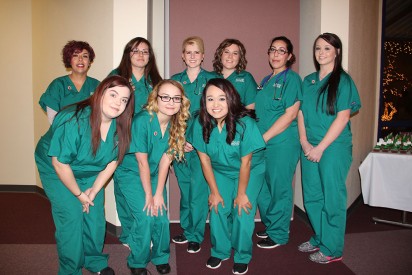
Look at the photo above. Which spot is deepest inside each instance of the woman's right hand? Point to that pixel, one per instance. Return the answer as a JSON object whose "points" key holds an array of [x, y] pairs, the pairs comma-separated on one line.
{"points": [[148, 206], [188, 147], [214, 200]]}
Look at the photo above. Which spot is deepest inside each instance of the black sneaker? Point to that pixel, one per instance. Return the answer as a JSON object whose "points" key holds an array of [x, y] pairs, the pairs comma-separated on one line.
{"points": [[106, 271], [262, 234], [193, 247], [138, 271], [163, 268], [267, 243], [180, 239], [214, 262], [239, 268]]}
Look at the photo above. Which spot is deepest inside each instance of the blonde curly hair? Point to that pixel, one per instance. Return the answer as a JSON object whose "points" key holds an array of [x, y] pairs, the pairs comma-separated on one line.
{"points": [[178, 121]]}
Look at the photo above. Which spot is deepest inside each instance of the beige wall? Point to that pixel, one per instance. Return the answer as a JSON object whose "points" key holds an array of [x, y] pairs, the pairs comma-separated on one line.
{"points": [[17, 137]]}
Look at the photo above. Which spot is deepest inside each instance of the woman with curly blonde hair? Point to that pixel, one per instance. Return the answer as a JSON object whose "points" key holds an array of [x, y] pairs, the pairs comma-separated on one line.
{"points": [[158, 138]]}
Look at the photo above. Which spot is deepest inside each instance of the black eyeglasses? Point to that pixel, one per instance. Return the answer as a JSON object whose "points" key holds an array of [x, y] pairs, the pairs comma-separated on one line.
{"points": [[166, 98], [137, 51], [280, 51]]}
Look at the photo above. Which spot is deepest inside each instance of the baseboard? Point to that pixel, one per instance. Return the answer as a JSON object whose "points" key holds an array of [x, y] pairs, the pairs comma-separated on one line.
{"points": [[110, 228]]}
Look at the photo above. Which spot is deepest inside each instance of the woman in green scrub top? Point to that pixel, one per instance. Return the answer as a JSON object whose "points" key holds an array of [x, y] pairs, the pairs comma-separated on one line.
{"points": [[157, 139], [329, 99], [192, 184], [230, 63], [78, 56], [138, 65], [230, 148], [76, 158], [277, 106]]}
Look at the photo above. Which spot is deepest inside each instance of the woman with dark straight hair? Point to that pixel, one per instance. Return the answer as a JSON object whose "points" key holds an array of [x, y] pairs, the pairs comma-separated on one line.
{"points": [[330, 98]]}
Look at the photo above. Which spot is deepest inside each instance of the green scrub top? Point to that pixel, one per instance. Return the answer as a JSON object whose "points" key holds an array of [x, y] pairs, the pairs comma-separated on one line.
{"points": [[225, 158], [71, 143], [244, 84], [317, 121], [62, 92], [142, 89], [275, 96], [146, 138]]}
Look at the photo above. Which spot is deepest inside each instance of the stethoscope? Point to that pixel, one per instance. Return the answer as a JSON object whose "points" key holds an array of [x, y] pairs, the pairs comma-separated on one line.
{"points": [[277, 84], [146, 85], [196, 91]]}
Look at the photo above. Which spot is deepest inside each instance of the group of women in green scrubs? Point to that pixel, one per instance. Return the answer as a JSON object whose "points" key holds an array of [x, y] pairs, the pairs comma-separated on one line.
{"points": [[75, 159], [230, 146], [192, 184], [277, 105], [329, 99], [77, 56], [158, 138], [138, 65]]}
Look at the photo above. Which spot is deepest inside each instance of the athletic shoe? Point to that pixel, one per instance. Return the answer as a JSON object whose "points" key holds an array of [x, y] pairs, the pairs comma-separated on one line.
{"points": [[163, 268], [262, 234], [106, 271], [214, 262], [320, 258], [138, 271], [193, 247], [267, 243], [239, 268], [307, 247], [180, 239]]}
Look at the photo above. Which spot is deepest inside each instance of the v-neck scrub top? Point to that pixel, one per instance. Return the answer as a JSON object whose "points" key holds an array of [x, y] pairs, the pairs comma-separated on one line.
{"points": [[62, 92], [272, 101]]}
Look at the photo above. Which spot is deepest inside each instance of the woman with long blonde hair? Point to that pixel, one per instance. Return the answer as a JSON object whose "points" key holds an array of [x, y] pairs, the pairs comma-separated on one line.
{"points": [[158, 138]]}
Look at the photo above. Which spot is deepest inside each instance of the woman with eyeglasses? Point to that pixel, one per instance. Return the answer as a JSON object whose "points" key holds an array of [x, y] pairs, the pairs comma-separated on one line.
{"points": [[277, 106], [230, 147], [75, 159], [230, 63], [138, 65], [157, 140], [78, 56], [330, 97], [192, 184]]}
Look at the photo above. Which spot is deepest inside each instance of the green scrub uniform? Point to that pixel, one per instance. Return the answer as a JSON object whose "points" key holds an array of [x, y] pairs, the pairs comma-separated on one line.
{"points": [[281, 155], [62, 92], [142, 89], [324, 188], [227, 229], [244, 84], [79, 236], [192, 184], [146, 138]]}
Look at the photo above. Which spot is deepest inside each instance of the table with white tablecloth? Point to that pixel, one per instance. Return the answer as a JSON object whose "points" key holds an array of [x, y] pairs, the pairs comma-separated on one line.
{"points": [[386, 180]]}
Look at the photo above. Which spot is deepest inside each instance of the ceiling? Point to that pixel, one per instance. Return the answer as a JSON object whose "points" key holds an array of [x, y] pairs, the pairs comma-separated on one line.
{"points": [[398, 20]]}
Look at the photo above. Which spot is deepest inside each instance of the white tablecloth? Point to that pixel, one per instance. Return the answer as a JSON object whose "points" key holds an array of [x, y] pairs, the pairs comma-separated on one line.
{"points": [[386, 180]]}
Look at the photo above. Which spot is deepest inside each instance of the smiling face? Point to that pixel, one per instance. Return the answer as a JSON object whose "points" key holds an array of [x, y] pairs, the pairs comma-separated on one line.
{"points": [[277, 60], [114, 102], [80, 61], [216, 103], [230, 57], [325, 53], [139, 55], [192, 56], [172, 93]]}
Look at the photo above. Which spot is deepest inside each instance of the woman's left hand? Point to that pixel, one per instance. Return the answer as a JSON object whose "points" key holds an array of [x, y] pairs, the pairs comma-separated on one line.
{"points": [[242, 201], [158, 205], [315, 154]]}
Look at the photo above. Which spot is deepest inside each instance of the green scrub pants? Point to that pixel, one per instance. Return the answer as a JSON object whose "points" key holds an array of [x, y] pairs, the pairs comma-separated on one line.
{"points": [[324, 194], [79, 236], [229, 230], [275, 201], [194, 194], [145, 228], [123, 211]]}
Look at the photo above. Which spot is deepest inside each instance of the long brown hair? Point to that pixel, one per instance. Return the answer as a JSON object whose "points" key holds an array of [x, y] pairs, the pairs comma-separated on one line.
{"points": [[123, 121]]}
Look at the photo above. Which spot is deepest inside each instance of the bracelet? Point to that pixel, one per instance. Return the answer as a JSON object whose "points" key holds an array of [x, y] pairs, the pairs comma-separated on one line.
{"points": [[78, 195]]}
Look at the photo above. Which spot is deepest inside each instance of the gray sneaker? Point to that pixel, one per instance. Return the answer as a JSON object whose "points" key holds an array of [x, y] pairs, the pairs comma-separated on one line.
{"points": [[320, 258], [307, 247]]}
